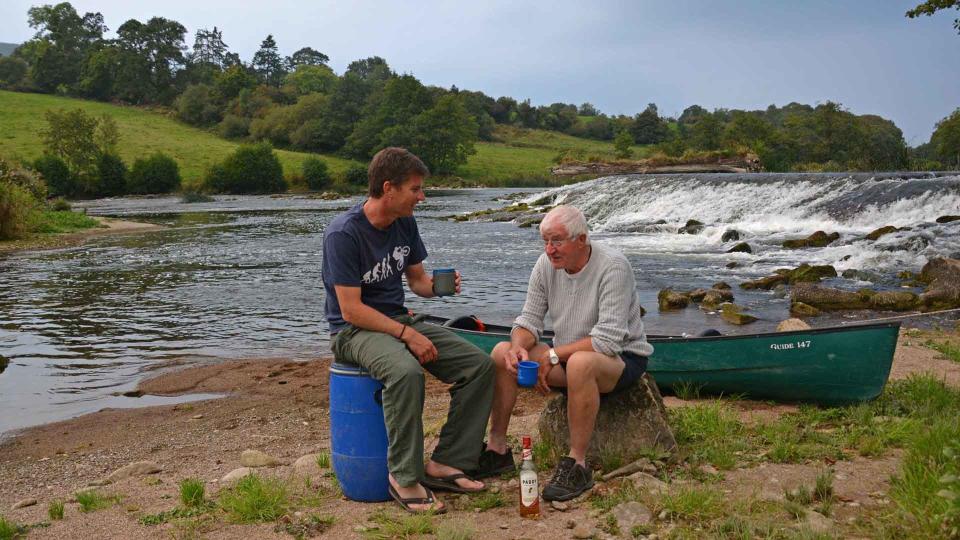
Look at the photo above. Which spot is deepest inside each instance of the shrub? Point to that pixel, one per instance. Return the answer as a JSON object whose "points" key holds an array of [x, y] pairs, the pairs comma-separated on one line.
{"points": [[112, 172], [16, 209], [60, 205], [25, 178], [234, 127], [356, 175], [158, 173], [57, 175], [197, 105], [315, 173], [252, 168]]}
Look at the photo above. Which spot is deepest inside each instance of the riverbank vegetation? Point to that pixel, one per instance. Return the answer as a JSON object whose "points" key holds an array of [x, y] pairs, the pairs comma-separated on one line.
{"points": [[300, 105], [25, 209]]}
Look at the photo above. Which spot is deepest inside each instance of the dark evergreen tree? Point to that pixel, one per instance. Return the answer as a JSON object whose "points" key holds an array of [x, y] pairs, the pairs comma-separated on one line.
{"points": [[268, 64]]}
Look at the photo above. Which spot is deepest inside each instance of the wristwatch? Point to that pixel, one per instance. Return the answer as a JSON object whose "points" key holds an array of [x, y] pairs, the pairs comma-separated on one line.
{"points": [[554, 357]]}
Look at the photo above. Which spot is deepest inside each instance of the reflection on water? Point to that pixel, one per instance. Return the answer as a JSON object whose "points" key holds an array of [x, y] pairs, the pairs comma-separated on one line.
{"points": [[240, 277]]}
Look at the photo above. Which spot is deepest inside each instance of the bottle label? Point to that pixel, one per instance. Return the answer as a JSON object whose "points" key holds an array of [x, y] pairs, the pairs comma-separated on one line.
{"points": [[529, 488]]}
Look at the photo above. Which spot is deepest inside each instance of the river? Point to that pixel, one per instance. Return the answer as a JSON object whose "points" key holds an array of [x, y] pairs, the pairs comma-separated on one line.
{"points": [[240, 277]]}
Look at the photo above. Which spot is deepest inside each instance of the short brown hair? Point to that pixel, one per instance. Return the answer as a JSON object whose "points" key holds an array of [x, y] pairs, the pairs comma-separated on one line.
{"points": [[394, 164]]}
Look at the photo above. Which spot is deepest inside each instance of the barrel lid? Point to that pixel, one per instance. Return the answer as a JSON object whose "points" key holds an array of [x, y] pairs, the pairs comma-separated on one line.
{"points": [[341, 368]]}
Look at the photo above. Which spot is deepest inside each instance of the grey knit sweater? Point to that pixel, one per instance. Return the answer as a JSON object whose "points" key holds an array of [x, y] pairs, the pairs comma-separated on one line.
{"points": [[599, 301]]}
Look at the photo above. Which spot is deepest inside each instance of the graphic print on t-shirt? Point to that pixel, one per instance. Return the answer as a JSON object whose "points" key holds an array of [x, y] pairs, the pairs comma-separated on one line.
{"points": [[385, 268]]}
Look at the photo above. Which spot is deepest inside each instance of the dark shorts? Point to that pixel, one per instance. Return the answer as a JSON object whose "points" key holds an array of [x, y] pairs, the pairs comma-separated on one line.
{"points": [[634, 366]]}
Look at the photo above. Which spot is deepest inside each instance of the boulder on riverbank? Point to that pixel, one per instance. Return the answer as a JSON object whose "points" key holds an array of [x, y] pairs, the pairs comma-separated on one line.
{"points": [[799, 309], [943, 278], [668, 299], [817, 239], [629, 424], [830, 299], [805, 273], [733, 314]]}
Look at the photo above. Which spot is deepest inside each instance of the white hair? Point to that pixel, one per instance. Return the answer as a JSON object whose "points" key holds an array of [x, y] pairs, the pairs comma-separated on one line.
{"points": [[570, 217]]}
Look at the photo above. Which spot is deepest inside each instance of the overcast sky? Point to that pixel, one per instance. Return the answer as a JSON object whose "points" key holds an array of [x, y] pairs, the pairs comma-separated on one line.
{"points": [[618, 55]]}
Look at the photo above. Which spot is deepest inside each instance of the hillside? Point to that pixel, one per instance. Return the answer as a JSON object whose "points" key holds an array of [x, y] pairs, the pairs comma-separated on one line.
{"points": [[521, 156], [6, 49]]}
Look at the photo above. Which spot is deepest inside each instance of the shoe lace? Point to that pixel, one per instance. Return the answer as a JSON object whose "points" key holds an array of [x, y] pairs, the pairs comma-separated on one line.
{"points": [[562, 475]]}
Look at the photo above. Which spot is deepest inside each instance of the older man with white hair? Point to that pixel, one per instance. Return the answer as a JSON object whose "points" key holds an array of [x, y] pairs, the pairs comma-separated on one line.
{"points": [[599, 345]]}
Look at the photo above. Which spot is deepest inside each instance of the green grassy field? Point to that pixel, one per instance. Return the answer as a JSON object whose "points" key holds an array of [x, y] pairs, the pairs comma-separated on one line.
{"points": [[521, 157]]}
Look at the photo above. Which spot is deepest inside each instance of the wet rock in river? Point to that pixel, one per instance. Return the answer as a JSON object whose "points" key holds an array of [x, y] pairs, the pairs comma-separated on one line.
{"points": [[742, 247], [691, 227], [721, 285], [817, 239], [947, 219], [715, 297], [943, 277], [876, 234], [830, 299], [895, 301], [733, 314], [730, 235], [799, 309], [668, 299], [765, 283], [806, 273]]}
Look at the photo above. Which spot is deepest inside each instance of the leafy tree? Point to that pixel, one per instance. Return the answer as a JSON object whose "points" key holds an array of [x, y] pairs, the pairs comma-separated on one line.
{"points": [[98, 77], [400, 100], [883, 145], [57, 175], [648, 127], [209, 48], [746, 129], [504, 110], [308, 79], [527, 115], [158, 173], [112, 175], [691, 115], [153, 53], [443, 136], [315, 173], [307, 57], [12, 71], [232, 81], [268, 64], [930, 7], [622, 143], [946, 140], [63, 38], [251, 168], [197, 105], [705, 133], [558, 116], [587, 109], [234, 127], [370, 69], [343, 111], [71, 135], [356, 175]]}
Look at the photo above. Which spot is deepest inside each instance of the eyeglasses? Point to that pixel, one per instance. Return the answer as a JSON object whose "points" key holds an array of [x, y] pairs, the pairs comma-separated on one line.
{"points": [[556, 243]]}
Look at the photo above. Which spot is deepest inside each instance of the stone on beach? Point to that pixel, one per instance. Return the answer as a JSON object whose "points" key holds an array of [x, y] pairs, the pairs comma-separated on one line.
{"points": [[791, 325], [23, 503], [235, 475], [307, 465], [629, 424], [654, 485], [631, 514], [138, 468], [943, 278], [256, 458]]}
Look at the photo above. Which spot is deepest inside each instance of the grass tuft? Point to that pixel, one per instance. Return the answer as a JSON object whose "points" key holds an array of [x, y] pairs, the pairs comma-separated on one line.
{"points": [[687, 390], [192, 493], [323, 460], [709, 432], [55, 510], [695, 504], [255, 499], [91, 501], [455, 530], [486, 501], [951, 351], [394, 526], [10, 530]]}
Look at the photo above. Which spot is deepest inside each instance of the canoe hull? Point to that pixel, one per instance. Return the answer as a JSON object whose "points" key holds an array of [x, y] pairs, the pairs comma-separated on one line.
{"points": [[829, 366]]}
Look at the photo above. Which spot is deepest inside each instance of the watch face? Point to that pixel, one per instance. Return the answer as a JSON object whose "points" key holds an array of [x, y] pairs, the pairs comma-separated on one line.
{"points": [[554, 359]]}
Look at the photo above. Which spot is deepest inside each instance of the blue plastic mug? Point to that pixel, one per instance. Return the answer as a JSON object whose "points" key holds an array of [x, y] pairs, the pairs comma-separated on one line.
{"points": [[527, 373]]}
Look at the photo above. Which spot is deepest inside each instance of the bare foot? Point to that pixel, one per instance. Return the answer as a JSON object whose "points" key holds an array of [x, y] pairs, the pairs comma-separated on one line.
{"points": [[416, 491], [438, 469]]}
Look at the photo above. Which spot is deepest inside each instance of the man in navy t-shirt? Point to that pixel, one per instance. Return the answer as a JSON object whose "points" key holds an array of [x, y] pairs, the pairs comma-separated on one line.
{"points": [[366, 251]]}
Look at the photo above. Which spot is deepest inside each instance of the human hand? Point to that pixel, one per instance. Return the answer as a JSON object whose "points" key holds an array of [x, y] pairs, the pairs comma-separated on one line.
{"points": [[515, 355], [545, 366], [420, 346]]}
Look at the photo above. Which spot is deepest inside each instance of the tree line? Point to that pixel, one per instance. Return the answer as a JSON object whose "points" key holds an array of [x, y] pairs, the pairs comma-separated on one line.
{"points": [[299, 102]]}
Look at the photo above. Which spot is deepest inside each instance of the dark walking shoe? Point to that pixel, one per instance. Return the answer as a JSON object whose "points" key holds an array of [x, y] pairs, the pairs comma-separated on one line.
{"points": [[493, 464], [570, 480]]}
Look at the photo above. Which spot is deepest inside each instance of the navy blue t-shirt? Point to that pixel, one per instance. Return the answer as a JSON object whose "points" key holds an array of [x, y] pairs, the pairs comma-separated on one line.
{"points": [[357, 254]]}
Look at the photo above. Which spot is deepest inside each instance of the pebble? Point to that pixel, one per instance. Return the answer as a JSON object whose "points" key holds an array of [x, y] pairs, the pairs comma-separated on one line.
{"points": [[256, 458], [495, 489], [584, 531], [571, 523], [197, 416], [663, 515], [559, 506], [504, 526]]}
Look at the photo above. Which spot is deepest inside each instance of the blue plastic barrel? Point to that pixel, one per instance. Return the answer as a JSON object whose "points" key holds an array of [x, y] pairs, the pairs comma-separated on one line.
{"points": [[358, 434]]}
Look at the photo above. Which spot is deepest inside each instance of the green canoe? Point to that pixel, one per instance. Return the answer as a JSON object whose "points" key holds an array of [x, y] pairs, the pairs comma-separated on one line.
{"points": [[828, 366]]}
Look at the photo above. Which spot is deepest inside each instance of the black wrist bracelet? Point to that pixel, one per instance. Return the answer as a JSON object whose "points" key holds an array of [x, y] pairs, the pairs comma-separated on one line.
{"points": [[402, 330]]}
